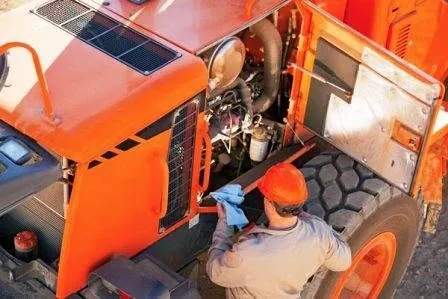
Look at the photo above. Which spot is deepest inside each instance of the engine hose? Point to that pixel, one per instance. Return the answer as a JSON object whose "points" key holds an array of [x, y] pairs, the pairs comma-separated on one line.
{"points": [[272, 45]]}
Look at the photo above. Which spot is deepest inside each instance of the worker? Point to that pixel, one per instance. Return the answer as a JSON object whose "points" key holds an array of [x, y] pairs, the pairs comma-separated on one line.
{"points": [[275, 261]]}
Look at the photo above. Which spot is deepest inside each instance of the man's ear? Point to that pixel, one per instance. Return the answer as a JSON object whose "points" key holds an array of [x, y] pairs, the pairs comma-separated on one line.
{"points": [[266, 201], [268, 204]]}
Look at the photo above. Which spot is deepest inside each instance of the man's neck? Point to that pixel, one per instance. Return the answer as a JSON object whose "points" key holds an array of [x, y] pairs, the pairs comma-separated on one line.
{"points": [[283, 223]]}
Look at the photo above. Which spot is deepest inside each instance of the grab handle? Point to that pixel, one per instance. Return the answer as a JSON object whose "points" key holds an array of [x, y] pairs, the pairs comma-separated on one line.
{"points": [[208, 158], [48, 106]]}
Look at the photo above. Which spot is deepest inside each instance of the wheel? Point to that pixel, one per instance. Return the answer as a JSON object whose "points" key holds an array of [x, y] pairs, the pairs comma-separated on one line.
{"points": [[381, 224]]}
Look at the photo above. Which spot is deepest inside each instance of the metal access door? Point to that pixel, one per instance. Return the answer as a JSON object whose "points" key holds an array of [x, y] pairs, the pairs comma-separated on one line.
{"points": [[385, 120]]}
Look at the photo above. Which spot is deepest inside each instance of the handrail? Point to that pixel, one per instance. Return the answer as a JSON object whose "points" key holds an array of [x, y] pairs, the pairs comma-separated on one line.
{"points": [[48, 106]]}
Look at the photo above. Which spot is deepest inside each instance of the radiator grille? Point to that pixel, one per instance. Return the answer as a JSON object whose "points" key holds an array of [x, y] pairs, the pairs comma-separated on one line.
{"points": [[107, 35], [180, 160]]}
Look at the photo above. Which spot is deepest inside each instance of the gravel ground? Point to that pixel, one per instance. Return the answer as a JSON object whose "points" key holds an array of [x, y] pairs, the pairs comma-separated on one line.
{"points": [[427, 274]]}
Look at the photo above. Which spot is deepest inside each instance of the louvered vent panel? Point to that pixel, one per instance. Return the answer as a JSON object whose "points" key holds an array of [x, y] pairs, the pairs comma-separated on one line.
{"points": [[180, 161], [107, 35], [401, 43]]}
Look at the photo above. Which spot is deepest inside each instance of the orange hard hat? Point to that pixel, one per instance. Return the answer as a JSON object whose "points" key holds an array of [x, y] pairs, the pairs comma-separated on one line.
{"points": [[284, 184]]}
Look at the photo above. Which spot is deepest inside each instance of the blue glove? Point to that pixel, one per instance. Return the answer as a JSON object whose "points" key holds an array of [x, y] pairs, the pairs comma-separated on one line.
{"points": [[230, 196]]}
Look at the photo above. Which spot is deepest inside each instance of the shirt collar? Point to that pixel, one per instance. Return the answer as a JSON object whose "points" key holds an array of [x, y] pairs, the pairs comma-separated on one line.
{"points": [[263, 229]]}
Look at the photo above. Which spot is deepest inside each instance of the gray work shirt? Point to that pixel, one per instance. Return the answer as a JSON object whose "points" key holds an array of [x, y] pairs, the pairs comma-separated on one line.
{"points": [[267, 263]]}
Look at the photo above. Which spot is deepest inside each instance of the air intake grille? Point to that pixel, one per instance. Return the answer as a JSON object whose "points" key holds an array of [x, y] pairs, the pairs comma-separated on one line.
{"points": [[180, 160], [113, 38], [402, 41]]}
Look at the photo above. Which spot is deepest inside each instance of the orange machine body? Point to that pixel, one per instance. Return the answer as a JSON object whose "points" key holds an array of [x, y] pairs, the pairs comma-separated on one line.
{"points": [[99, 103]]}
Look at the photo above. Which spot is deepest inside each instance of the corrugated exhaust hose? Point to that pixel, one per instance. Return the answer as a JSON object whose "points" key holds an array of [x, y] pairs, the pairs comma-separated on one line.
{"points": [[272, 44]]}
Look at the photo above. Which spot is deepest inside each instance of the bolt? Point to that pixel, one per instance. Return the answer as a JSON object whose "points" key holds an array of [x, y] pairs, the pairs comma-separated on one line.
{"points": [[327, 134], [413, 157], [405, 186], [364, 159], [420, 127], [162, 230], [424, 110]]}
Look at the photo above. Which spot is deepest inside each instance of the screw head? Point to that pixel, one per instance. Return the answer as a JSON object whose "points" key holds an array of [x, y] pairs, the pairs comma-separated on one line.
{"points": [[405, 185], [424, 110], [364, 159]]}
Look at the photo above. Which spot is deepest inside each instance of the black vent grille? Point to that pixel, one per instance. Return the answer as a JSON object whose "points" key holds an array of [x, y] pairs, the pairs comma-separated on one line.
{"points": [[180, 160], [111, 37]]}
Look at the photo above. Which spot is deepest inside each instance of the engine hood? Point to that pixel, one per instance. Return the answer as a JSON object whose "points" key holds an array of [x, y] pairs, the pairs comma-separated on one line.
{"points": [[98, 100], [194, 25]]}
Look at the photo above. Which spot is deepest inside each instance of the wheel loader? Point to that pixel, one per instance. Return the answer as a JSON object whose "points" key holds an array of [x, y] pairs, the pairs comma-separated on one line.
{"points": [[119, 117]]}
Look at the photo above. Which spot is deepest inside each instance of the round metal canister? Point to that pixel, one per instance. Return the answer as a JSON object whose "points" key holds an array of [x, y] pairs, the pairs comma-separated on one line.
{"points": [[259, 144]]}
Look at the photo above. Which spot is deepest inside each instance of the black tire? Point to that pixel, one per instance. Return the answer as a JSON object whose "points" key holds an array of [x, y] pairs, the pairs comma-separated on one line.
{"points": [[360, 206]]}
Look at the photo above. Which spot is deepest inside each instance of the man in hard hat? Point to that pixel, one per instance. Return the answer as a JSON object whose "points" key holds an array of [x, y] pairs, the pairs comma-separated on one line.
{"points": [[277, 260]]}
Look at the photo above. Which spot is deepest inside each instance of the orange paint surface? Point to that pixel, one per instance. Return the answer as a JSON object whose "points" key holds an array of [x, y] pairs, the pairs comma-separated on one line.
{"points": [[101, 102], [117, 212], [98, 100]]}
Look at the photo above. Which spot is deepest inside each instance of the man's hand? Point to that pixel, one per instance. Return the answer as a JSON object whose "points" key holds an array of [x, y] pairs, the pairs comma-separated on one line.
{"points": [[221, 211]]}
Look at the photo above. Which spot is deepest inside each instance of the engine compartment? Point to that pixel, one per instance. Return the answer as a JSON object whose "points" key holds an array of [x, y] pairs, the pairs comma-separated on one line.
{"points": [[248, 96]]}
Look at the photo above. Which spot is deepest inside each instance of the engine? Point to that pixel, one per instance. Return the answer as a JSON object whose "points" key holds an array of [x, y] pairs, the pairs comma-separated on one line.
{"points": [[244, 127]]}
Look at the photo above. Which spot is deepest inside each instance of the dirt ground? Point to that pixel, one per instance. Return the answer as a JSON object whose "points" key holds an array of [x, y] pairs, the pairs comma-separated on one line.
{"points": [[427, 274]]}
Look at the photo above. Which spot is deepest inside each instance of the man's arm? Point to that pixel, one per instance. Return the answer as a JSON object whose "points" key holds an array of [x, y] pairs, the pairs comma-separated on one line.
{"points": [[339, 257], [225, 264]]}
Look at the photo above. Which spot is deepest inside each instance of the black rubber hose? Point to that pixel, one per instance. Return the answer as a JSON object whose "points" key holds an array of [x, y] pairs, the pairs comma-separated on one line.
{"points": [[272, 45]]}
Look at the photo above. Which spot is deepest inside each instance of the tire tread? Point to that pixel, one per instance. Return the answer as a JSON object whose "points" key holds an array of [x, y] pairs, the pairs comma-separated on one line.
{"points": [[344, 193]]}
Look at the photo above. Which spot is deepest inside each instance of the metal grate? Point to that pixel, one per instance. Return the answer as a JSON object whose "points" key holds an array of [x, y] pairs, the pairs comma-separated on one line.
{"points": [[61, 11], [111, 37], [89, 25], [180, 161]]}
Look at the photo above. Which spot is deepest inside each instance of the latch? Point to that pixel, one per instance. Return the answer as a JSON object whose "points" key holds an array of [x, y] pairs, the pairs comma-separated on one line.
{"points": [[406, 136]]}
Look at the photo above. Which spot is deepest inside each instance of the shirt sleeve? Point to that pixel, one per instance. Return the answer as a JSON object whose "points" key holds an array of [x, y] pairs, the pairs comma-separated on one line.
{"points": [[225, 265], [339, 257]]}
